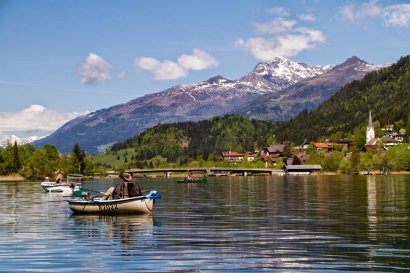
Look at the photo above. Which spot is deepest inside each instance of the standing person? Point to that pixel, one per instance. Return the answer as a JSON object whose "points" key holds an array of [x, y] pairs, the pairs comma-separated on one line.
{"points": [[59, 177], [125, 188]]}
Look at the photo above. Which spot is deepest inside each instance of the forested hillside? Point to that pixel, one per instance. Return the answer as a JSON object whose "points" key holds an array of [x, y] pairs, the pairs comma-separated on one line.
{"points": [[203, 140], [385, 92]]}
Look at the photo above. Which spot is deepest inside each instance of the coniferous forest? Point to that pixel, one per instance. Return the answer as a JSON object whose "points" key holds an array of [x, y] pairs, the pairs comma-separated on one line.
{"points": [[205, 139]]}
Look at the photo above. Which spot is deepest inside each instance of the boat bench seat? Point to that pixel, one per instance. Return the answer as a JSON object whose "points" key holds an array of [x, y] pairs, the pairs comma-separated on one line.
{"points": [[108, 194]]}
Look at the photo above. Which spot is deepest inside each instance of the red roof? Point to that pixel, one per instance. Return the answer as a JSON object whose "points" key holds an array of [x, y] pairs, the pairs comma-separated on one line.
{"points": [[323, 145], [232, 154]]}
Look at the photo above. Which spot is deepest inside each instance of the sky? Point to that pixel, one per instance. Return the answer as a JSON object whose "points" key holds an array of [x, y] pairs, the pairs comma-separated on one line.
{"points": [[62, 59]]}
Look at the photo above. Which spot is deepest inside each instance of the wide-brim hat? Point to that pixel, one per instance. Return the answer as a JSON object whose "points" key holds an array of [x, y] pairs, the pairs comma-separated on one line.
{"points": [[126, 176]]}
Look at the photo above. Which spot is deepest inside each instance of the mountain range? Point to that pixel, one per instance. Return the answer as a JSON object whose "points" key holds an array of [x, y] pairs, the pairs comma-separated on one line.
{"points": [[306, 94], [272, 90], [15, 139], [386, 92]]}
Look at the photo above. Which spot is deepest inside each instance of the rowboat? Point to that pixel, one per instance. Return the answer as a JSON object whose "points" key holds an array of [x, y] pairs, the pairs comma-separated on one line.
{"points": [[194, 181], [132, 205], [65, 188]]}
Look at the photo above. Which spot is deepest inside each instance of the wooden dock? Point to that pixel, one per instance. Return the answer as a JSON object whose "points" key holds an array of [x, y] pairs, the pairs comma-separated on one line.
{"points": [[217, 171]]}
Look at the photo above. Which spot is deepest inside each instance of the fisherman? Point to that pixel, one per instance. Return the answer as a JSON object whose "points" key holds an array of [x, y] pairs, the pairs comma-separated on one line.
{"points": [[126, 188], [59, 177]]}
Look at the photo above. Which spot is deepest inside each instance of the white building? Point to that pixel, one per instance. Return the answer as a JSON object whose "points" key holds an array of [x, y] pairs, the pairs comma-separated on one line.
{"points": [[370, 129]]}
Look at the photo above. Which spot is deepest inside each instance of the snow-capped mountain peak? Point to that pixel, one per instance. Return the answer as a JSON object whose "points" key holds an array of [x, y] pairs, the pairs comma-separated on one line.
{"points": [[15, 139], [281, 73]]}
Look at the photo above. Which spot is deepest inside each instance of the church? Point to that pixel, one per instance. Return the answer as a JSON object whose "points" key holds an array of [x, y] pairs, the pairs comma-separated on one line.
{"points": [[371, 140]]}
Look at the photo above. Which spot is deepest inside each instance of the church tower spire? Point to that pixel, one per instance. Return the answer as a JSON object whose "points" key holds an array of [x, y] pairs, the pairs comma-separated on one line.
{"points": [[370, 129]]}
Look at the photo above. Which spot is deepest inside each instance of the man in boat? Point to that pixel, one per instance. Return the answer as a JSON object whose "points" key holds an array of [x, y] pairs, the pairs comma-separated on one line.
{"points": [[59, 177], [126, 188]]}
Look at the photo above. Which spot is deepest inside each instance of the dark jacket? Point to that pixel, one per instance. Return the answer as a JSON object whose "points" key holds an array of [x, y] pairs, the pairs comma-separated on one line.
{"points": [[126, 189]]}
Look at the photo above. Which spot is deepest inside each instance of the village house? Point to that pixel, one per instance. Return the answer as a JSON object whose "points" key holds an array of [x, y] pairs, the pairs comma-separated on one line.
{"points": [[250, 156], [233, 156], [393, 139], [331, 145], [275, 150], [328, 146], [272, 153]]}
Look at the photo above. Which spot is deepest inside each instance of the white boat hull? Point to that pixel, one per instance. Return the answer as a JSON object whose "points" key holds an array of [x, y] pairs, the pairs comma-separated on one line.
{"points": [[133, 205], [52, 187]]}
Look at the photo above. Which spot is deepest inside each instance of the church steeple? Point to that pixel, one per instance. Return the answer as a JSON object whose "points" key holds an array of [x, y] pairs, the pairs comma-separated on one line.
{"points": [[370, 129], [370, 124]]}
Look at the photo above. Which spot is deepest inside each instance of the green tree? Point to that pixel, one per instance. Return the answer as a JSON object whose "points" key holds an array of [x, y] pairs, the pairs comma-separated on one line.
{"points": [[15, 159], [355, 159], [359, 138], [77, 159], [332, 160]]}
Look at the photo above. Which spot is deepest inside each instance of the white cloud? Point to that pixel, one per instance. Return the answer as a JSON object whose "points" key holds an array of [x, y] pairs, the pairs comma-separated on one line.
{"points": [[280, 37], [171, 70], [308, 17], [94, 69], [392, 16], [369, 10], [352, 13], [277, 25], [34, 118], [347, 13], [279, 11], [165, 70], [198, 60], [397, 15]]}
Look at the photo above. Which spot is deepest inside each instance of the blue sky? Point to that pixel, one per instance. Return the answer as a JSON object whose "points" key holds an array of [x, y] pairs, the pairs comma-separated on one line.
{"points": [[60, 59]]}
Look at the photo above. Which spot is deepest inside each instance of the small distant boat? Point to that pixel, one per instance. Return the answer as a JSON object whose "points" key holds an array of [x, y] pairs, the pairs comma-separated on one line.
{"points": [[133, 205], [202, 180], [65, 188]]}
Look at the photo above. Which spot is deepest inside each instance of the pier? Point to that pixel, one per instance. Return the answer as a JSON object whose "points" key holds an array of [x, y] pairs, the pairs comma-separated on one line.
{"points": [[216, 171]]}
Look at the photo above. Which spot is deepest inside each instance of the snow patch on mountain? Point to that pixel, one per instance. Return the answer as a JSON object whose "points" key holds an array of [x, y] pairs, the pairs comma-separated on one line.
{"points": [[281, 73], [15, 139]]}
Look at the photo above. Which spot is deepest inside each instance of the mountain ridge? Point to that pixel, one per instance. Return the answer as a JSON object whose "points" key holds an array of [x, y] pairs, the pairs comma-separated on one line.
{"points": [[185, 102], [306, 94], [15, 139], [343, 116]]}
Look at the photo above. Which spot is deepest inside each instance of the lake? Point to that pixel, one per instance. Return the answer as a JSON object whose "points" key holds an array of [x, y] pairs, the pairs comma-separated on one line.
{"points": [[240, 224]]}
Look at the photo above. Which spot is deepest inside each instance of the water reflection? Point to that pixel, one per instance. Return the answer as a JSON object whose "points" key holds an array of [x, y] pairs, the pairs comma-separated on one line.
{"points": [[128, 228], [372, 206], [286, 224]]}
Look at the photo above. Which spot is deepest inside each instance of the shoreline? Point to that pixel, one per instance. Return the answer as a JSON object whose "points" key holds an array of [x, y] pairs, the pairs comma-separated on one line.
{"points": [[19, 178], [13, 177]]}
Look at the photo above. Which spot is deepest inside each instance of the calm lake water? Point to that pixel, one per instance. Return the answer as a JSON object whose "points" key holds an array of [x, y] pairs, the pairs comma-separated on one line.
{"points": [[241, 224]]}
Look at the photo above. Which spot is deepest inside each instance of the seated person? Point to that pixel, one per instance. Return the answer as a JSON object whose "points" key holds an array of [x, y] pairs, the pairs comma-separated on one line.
{"points": [[59, 177], [125, 188]]}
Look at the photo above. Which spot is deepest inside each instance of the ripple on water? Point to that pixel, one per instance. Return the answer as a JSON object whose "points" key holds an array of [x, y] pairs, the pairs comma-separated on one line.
{"points": [[232, 224]]}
